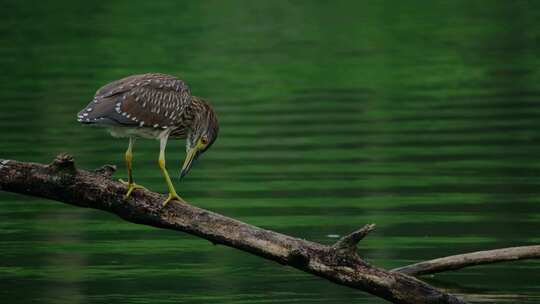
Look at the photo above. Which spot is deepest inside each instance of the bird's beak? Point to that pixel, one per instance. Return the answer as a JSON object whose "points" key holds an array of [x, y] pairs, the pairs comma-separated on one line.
{"points": [[191, 156]]}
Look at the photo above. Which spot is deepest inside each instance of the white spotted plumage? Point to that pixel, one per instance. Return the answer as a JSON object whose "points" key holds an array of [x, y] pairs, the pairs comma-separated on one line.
{"points": [[154, 101]]}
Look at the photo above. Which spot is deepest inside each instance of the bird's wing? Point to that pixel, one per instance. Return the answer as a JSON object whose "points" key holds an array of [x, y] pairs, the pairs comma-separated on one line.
{"points": [[151, 100]]}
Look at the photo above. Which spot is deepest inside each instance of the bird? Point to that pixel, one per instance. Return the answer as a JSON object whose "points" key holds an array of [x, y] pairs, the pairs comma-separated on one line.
{"points": [[155, 106]]}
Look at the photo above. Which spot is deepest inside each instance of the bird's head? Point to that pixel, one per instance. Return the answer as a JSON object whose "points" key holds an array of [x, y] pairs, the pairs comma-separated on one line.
{"points": [[200, 137]]}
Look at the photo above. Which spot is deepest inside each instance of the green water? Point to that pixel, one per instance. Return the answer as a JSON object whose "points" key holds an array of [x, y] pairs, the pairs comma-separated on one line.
{"points": [[420, 116]]}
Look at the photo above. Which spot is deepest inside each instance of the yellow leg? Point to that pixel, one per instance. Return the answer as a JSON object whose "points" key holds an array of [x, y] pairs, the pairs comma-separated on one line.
{"points": [[129, 159], [172, 191]]}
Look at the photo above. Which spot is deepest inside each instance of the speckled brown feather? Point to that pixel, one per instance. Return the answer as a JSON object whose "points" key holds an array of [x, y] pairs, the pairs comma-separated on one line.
{"points": [[147, 100], [149, 105]]}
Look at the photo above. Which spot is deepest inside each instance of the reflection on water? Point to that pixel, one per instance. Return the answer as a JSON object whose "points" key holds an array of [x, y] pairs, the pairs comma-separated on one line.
{"points": [[420, 117]]}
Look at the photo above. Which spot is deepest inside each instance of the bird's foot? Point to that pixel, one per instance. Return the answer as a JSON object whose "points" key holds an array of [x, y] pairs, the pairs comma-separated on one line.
{"points": [[131, 187], [172, 195]]}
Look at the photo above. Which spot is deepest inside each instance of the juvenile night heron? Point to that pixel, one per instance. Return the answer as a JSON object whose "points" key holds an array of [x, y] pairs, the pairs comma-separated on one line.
{"points": [[153, 106]]}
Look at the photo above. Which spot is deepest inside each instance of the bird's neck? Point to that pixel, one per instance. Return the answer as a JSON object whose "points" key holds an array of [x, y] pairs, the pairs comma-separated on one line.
{"points": [[204, 121], [203, 116], [199, 110]]}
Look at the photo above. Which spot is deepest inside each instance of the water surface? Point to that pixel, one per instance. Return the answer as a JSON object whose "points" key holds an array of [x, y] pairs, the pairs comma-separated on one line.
{"points": [[422, 117]]}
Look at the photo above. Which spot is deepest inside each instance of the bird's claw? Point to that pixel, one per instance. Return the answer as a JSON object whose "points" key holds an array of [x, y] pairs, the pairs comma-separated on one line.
{"points": [[131, 187], [171, 197]]}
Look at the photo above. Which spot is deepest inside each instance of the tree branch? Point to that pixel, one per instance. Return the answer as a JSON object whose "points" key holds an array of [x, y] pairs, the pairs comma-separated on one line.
{"points": [[471, 259], [63, 182], [348, 243]]}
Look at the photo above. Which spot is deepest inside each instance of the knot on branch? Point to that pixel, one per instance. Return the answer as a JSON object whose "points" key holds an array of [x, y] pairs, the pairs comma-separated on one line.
{"points": [[3, 163], [63, 162], [106, 170], [298, 257], [347, 244]]}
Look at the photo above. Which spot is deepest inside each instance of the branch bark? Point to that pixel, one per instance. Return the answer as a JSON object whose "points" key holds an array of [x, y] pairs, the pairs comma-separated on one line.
{"points": [[459, 261], [340, 263]]}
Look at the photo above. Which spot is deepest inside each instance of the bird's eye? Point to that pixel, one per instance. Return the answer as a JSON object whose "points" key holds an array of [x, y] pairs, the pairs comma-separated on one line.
{"points": [[204, 140]]}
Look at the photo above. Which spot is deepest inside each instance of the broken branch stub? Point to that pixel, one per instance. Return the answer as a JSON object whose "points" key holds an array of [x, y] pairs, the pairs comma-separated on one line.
{"points": [[348, 244]]}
